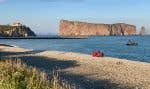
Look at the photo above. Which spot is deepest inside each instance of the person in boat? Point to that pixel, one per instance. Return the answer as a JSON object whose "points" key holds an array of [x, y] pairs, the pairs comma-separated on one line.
{"points": [[131, 43]]}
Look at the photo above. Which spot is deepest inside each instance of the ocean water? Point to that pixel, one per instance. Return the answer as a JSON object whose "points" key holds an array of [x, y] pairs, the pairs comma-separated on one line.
{"points": [[112, 46]]}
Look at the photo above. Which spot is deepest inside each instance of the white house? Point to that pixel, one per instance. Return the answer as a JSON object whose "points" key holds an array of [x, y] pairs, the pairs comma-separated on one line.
{"points": [[16, 24]]}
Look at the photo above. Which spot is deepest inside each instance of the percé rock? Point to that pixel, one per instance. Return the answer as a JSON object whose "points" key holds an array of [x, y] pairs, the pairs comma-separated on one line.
{"points": [[75, 28], [142, 31], [15, 31]]}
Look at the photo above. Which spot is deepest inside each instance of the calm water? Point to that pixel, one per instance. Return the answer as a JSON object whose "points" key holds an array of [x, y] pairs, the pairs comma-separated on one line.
{"points": [[111, 46]]}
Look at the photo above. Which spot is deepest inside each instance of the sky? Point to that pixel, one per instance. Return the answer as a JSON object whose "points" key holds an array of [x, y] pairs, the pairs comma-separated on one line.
{"points": [[43, 16]]}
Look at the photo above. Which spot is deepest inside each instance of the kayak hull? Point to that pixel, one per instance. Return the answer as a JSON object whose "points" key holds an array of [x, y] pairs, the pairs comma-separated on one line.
{"points": [[133, 44]]}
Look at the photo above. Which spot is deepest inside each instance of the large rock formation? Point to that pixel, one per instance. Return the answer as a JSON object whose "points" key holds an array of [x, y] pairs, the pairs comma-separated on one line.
{"points": [[142, 31], [75, 28], [15, 31]]}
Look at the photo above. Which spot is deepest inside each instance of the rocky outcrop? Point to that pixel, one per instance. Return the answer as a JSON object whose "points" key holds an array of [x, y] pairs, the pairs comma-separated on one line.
{"points": [[142, 31], [15, 31], [75, 28]]}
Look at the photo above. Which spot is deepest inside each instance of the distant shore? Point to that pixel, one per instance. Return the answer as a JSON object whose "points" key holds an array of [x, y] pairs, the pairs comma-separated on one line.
{"points": [[61, 37], [36, 37], [90, 72]]}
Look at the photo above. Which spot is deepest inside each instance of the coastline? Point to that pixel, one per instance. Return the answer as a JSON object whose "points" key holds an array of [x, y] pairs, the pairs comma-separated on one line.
{"points": [[10, 48], [36, 37], [107, 72]]}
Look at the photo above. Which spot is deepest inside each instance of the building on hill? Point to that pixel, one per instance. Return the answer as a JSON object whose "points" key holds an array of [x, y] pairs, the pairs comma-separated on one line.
{"points": [[16, 24], [15, 30]]}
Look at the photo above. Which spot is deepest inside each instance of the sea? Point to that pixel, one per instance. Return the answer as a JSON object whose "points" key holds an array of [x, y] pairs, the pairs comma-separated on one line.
{"points": [[111, 46]]}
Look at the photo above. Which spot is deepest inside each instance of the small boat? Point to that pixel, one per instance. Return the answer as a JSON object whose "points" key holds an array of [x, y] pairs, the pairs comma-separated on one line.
{"points": [[131, 43]]}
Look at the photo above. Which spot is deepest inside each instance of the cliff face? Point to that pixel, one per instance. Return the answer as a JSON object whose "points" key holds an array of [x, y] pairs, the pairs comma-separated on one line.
{"points": [[71, 28], [142, 32], [15, 31]]}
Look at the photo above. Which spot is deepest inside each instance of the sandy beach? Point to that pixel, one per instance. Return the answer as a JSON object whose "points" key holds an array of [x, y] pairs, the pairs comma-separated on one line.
{"points": [[9, 48], [85, 71]]}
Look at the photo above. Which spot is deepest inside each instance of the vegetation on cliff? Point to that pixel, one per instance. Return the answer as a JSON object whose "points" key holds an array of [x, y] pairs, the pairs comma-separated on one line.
{"points": [[15, 31]]}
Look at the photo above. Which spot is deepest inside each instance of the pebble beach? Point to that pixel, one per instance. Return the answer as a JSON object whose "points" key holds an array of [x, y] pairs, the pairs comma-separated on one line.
{"points": [[90, 72]]}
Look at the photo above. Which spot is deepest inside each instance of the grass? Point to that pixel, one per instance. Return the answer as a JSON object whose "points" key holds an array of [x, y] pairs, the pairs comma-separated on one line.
{"points": [[16, 75]]}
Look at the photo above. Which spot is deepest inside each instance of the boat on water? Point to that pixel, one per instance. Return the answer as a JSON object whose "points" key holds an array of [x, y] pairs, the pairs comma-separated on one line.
{"points": [[131, 43]]}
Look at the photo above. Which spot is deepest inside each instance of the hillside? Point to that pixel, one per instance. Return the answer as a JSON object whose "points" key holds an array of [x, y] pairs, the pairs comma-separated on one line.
{"points": [[15, 31]]}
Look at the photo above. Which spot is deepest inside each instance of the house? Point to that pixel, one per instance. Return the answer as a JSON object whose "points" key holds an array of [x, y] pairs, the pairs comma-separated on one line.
{"points": [[16, 24]]}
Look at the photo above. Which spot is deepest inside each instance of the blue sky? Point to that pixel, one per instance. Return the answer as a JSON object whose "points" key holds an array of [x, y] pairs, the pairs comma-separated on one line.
{"points": [[43, 16]]}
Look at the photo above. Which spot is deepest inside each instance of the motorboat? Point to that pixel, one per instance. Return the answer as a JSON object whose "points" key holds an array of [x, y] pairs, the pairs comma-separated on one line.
{"points": [[131, 43]]}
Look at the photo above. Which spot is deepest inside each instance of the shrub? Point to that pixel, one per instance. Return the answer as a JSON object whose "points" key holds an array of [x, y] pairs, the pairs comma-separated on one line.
{"points": [[16, 75]]}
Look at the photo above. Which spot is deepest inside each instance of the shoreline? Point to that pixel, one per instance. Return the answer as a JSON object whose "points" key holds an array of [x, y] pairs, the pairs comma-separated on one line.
{"points": [[43, 37], [11, 48], [125, 73], [6, 47]]}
